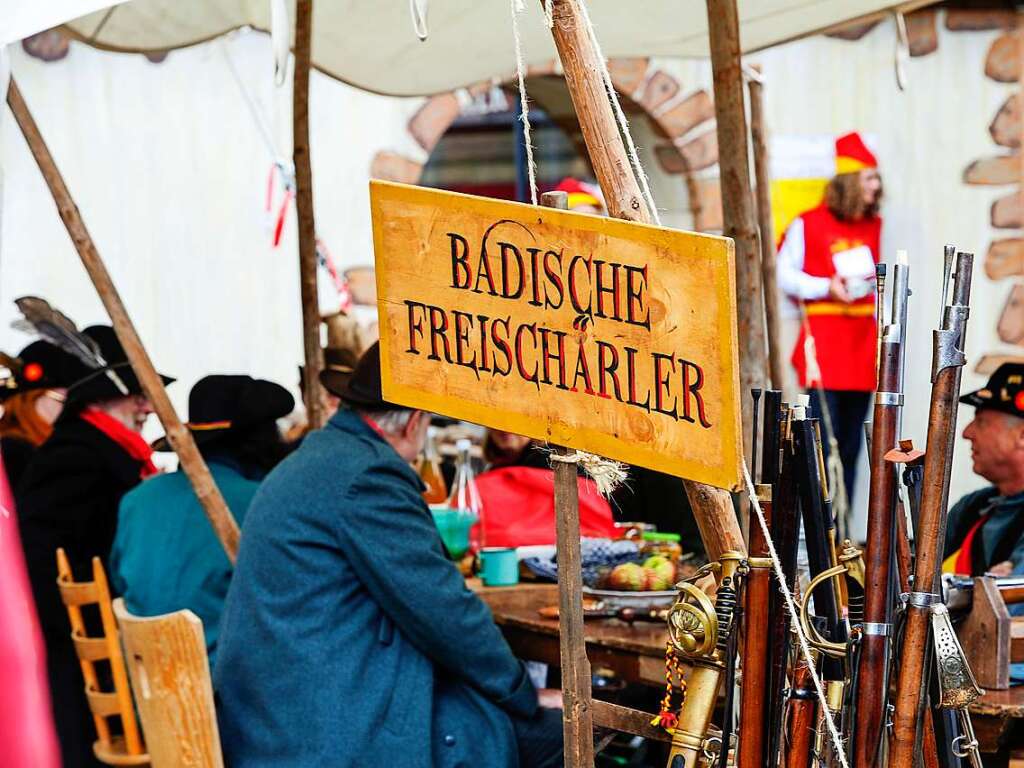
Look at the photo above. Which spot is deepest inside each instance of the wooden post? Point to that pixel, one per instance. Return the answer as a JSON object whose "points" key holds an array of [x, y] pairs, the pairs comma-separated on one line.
{"points": [[304, 210], [712, 507], [577, 722], [737, 199], [759, 140], [179, 437]]}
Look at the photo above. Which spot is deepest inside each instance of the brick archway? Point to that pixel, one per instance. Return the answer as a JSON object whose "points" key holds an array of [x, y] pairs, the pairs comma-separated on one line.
{"points": [[684, 121]]}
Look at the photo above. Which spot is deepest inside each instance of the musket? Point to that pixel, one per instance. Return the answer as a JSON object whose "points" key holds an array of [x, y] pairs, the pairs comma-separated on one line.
{"points": [[872, 681], [819, 536], [700, 631], [757, 610], [923, 614], [785, 536], [802, 716], [959, 591]]}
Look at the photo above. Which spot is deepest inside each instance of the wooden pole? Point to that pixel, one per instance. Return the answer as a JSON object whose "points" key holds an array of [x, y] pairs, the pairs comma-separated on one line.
{"points": [[578, 719], [737, 199], [179, 437], [304, 209], [759, 140], [712, 507]]}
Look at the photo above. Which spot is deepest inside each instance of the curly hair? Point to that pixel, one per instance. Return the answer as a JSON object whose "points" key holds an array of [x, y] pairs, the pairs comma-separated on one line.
{"points": [[845, 198], [21, 420]]}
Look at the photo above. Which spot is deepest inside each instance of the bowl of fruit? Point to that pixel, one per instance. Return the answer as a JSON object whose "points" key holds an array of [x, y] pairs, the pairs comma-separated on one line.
{"points": [[641, 585]]}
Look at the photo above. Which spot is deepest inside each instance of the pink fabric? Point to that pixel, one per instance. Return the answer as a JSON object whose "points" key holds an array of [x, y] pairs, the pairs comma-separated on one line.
{"points": [[27, 736], [519, 507]]}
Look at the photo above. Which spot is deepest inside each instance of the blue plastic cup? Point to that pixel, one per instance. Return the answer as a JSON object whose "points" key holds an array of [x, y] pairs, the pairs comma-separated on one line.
{"points": [[499, 566]]}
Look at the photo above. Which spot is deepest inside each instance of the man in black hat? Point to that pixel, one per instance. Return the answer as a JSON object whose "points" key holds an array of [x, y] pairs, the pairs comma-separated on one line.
{"points": [[68, 498], [32, 395], [348, 637], [985, 531], [165, 555]]}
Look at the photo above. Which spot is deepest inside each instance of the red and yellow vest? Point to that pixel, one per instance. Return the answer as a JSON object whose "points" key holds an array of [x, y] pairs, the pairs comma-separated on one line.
{"points": [[844, 334]]}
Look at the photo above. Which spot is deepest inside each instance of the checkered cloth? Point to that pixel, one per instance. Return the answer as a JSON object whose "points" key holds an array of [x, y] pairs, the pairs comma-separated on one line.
{"points": [[598, 555]]}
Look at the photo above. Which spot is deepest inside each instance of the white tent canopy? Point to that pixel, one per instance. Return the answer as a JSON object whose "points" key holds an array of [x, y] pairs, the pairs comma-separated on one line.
{"points": [[372, 45]]}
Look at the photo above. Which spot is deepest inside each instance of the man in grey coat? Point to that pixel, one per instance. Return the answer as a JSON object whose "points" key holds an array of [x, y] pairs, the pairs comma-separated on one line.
{"points": [[348, 636]]}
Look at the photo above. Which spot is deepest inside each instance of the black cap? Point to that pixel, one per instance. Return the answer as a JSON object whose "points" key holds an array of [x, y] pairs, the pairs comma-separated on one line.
{"points": [[222, 405], [1004, 391], [103, 383], [364, 388], [41, 365]]}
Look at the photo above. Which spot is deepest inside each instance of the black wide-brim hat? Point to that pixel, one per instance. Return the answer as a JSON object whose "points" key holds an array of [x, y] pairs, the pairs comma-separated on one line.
{"points": [[115, 379], [1004, 391], [364, 388], [223, 405], [41, 365], [339, 367]]}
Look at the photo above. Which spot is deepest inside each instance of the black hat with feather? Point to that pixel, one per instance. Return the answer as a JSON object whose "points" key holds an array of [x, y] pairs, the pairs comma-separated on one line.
{"points": [[105, 373], [40, 365]]}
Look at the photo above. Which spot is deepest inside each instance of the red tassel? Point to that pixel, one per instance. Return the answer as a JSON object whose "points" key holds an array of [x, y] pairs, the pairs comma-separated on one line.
{"points": [[280, 217]]}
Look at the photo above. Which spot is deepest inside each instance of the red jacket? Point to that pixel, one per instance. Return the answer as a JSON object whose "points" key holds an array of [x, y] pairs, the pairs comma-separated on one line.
{"points": [[844, 334]]}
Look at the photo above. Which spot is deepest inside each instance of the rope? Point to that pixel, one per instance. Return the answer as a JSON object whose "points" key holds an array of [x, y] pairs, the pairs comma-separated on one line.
{"points": [[257, 115], [837, 740], [620, 117], [606, 473], [531, 167]]}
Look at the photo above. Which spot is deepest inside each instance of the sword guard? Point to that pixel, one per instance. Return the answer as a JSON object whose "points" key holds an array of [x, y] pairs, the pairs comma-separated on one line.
{"points": [[957, 686]]}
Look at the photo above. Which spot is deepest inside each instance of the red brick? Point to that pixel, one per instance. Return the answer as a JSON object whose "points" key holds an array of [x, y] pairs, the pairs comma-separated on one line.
{"points": [[1005, 258], [975, 20], [1005, 127], [1003, 169], [627, 74], [660, 87], [708, 206], [431, 121], [686, 115], [1011, 322], [390, 166], [1003, 61], [1006, 212], [701, 152], [922, 32]]}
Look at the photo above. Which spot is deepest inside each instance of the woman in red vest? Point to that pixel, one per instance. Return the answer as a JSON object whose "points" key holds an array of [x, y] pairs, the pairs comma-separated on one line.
{"points": [[827, 262]]}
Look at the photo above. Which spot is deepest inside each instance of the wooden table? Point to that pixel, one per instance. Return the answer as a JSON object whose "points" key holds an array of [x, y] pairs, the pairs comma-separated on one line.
{"points": [[994, 717], [634, 652]]}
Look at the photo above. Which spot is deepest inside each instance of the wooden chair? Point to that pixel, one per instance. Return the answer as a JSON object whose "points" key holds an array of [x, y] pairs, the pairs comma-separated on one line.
{"points": [[125, 749], [170, 675]]}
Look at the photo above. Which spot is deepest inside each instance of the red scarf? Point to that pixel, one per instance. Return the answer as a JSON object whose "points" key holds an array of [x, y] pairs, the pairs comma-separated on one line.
{"points": [[964, 561], [130, 441]]}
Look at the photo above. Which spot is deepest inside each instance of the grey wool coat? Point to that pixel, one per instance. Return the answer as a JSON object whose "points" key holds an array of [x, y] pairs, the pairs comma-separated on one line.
{"points": [[348, 638]]}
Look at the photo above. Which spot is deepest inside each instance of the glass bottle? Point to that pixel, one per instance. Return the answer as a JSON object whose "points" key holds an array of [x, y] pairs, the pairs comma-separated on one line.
{"points": [[430, 471], [465, 497]]}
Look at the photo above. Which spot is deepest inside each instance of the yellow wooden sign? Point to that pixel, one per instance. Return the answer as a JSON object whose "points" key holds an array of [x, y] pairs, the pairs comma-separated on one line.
{"points": [[598, 334]]}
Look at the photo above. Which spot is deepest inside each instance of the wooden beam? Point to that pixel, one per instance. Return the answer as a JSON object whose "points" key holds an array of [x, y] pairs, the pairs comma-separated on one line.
{"points": [[304, 210], [634, 721], [577, 724], [737, 199], [180, 438], [759, 140], [712, 507]]}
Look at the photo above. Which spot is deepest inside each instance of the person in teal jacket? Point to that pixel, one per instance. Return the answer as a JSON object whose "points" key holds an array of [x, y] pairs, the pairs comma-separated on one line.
{"points": [[349, 638], [165, 555]]}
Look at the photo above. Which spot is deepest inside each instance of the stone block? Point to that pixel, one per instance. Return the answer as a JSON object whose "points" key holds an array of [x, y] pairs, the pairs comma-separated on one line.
{"points": [[1002, 63], [1006, 212], [1003, 169], [679, 120], [1005, 128], [660, 87]]}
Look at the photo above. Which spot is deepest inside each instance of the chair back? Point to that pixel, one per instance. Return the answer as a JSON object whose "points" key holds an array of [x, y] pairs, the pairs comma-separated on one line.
{"points": [[127, 748], [170, 675]]}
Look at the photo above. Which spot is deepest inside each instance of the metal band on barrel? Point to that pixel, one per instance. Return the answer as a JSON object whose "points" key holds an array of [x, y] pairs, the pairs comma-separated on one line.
{"points": [[923, 599], [889, 398], [874, 628]]}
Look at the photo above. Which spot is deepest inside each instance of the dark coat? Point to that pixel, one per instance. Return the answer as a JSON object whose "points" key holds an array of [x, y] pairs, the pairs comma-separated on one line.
{"points": [[348, 638], [68, 497], [17, 454]]}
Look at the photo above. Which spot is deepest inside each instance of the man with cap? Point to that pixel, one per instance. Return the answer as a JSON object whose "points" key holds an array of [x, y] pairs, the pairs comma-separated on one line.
{"points": [[68, 498], [348, 636], [32, 396], [165, 555], [826, 263], [985, 530]]}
